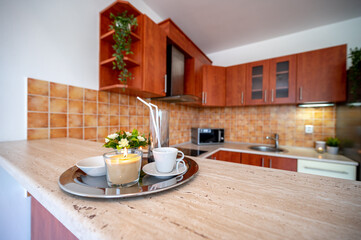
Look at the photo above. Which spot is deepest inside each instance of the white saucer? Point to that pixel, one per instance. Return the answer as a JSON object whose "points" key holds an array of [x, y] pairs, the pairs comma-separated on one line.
{"points": [[150, 169]]}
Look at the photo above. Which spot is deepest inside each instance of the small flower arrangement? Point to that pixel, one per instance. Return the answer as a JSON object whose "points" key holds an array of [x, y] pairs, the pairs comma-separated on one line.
{"points": [[123, 139]]}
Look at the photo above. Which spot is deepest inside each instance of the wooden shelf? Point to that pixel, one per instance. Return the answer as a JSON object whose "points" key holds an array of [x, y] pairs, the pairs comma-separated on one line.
{"points": [[257, 90], [109, 36], [258, 75], [282, 88], [128, 61], [282, 72]]}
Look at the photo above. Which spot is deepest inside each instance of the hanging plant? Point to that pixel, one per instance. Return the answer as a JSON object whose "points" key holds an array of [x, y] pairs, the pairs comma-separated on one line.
{"points": [[122, 25], [354, 75]]}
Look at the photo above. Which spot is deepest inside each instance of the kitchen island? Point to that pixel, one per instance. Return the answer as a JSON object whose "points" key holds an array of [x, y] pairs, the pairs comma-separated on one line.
{"points": [[224, 201]]}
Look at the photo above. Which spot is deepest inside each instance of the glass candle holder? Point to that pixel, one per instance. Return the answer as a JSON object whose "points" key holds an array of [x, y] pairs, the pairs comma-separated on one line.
{"points": [[320, 146], [123, 169]]}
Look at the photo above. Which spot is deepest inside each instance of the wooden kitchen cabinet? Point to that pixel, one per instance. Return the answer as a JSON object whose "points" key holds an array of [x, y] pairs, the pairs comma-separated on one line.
{"points": [[272, 81], [236, 85], [147, 64], [213, 86], [289, 164], [321, 75], [227, 156], [282, 80], [257, 82]]}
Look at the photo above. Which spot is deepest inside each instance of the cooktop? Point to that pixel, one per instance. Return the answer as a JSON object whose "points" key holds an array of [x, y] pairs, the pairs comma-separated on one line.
{"points": [[191, 152]]}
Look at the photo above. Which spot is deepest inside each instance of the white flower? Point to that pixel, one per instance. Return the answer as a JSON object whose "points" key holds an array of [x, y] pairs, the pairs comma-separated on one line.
{"points": [[123, 143], [106, 140], [141, 139], [113, 136], [128, 134]]}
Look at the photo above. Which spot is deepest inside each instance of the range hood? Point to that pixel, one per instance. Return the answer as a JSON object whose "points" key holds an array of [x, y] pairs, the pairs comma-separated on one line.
{"points": [[175, 78]]}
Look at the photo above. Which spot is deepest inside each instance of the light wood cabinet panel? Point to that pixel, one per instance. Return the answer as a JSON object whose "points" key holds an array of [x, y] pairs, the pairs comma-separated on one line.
{"points": [[282, 77], [213, 86], [321, 75], [257, 83], [236, 85]]}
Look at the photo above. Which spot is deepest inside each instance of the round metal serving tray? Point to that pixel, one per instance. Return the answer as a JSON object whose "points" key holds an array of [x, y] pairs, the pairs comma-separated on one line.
{"points": [[75, 181]]}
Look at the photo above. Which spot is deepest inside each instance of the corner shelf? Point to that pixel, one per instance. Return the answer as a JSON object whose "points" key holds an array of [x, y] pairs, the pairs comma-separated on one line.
{"points": [[128, 61], [109, 36]]}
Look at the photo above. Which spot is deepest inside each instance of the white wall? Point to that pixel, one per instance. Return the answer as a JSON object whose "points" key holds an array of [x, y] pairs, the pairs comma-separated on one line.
{"points": [[52, 40], [346, 32]]}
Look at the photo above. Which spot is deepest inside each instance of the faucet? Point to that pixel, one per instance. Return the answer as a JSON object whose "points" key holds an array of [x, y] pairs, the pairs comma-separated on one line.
{"points": [[275, 138]]}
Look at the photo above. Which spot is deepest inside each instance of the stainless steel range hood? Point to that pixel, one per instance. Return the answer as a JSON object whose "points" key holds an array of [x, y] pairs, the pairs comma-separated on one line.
{"points": [[175, 78]]}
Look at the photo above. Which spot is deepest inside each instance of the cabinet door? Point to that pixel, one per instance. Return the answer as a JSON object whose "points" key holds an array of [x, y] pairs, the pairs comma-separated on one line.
{"points": [[155, 58], [214, 86], [236, 85], [289, 164], [227, 156], [283, 80], [253, 159], [257, 83], [321, 75]]}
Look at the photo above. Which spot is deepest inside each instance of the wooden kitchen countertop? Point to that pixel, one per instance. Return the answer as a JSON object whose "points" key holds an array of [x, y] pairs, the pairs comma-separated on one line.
{"points": [[224, 201]]}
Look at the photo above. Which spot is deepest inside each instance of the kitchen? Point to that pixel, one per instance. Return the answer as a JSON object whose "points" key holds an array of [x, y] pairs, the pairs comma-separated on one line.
{"points": [[51, 56]]}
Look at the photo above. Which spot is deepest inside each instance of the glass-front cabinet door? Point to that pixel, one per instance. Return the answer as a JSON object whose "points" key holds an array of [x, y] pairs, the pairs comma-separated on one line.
{"points": [[257, 82], [282, 85]]}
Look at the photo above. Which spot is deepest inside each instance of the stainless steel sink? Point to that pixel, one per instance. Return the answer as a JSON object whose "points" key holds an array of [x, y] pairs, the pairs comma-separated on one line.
{"points": [[267, 149]]}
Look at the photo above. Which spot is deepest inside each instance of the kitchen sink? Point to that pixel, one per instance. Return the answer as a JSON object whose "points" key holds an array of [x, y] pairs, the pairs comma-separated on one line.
{"points": [[267, 149]]}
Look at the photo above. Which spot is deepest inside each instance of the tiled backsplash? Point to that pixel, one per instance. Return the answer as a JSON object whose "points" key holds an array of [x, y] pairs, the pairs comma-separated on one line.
{"points": [[57, 110]]}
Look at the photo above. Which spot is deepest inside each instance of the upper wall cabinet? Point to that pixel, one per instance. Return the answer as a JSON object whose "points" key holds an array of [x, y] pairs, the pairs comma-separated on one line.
{"points": [[282, 80], [214, 86], [321, 75], [271, 81], [147, 64], [236, 85]]}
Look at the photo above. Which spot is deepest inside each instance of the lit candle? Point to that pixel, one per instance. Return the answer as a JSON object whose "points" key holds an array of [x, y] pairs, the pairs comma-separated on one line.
{"points": [[320, 149], [123, 169]]}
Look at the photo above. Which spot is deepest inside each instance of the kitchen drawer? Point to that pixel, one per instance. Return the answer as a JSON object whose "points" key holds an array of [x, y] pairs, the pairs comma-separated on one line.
{"points": [[327, 169]]}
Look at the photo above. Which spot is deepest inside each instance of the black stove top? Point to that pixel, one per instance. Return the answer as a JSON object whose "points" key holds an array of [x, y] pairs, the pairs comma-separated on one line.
{"points": [[191, 152]]}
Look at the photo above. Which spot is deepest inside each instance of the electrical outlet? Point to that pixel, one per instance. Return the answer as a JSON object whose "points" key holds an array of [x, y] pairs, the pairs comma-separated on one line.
{"points": [[308, 128]]}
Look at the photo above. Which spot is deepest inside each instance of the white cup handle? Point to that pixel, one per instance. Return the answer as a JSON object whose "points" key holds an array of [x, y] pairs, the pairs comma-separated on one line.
{"points": [[180, 160]]}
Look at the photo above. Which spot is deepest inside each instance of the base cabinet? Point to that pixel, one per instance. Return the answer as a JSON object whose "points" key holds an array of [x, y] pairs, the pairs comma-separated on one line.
{"points": [[289, 164], [45, 226], [227, 156]]}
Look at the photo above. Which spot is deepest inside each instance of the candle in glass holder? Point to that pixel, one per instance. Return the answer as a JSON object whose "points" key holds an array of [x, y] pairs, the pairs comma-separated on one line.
{"points": [[320, 146], [123, 169]]}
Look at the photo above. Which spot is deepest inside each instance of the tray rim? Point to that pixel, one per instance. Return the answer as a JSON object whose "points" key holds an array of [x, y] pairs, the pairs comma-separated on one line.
{"points": [[192, 166]]}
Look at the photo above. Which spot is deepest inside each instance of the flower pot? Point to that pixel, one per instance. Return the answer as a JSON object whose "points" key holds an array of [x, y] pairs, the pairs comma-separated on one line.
{"points": [[332, 150]]}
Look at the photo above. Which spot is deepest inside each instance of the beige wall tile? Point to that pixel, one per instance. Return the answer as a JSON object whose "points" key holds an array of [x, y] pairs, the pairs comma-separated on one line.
{"points": [[75, 120], [103, 132], [103, 97], [38, 87], [90, 120], [58, 120], [58, 105], [114, 98], [76, 133], [114, 109], [75, 106], [114, 120], [38, 103], [58, 90], [41, 133], [103, 108], [76, 93], [58, 133], [103, 120], [37, 120], [90, 95], [90, 133], [90, 107]]}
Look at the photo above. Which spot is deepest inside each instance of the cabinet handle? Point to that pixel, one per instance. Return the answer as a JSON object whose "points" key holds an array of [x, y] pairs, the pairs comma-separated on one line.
{"points": [[272, 95], [326, 170], [242, 98], [205, 97], [300, 93], [270, 163], [262, 162], [165, 83], [202, 97], [265, 95]]}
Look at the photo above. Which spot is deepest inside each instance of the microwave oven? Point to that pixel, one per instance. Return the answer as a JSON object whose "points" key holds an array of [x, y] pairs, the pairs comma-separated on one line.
{"points": [[207, 135]]}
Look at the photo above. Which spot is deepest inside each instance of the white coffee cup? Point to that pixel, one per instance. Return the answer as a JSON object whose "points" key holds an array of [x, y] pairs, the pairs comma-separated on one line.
{"points": [[166, 157]]}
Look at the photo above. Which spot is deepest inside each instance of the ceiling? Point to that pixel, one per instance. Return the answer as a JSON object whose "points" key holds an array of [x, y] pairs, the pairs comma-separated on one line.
{"points": [[216, 25]]}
